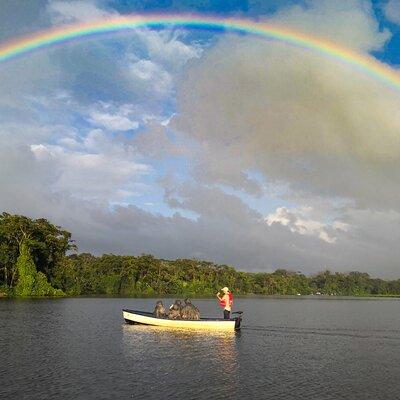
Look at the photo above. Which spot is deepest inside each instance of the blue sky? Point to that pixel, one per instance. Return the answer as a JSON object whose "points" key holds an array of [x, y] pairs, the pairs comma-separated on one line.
{"points": [[207, 144]]}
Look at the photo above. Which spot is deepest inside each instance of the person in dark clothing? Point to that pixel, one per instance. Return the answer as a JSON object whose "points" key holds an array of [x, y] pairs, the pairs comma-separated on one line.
{"points": [[175, 310], [159, 310], [189, 311]]}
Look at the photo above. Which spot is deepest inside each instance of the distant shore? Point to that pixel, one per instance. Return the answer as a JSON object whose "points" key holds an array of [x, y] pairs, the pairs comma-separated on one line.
{"points": [[48, 264], [199, 296]]}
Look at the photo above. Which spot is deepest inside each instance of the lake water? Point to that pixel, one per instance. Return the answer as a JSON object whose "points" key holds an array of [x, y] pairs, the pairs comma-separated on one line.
{"points": [[303, 348]]}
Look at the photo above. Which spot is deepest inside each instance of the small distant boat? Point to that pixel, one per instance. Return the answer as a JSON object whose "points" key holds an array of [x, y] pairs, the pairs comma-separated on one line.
{"points": [[214, 324]]}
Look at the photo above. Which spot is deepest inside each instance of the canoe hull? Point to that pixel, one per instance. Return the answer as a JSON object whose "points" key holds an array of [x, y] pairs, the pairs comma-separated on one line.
{"points": [[211, 324]]}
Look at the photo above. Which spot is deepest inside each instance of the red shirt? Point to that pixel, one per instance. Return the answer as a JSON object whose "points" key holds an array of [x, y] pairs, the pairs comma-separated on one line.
{"points": [[222, 303]]}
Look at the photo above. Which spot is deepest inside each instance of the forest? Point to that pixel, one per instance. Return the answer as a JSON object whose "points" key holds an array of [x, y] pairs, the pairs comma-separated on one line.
{"points": [[39, 259]]}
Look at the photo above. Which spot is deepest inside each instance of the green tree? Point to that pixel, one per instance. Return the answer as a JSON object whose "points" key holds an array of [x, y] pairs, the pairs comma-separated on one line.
{"points": [[46, 242], [30, 281], [33, 260]]}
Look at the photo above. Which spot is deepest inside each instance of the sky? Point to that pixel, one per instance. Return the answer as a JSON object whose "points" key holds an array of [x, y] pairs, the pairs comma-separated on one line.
{"points": [[209, 145]]}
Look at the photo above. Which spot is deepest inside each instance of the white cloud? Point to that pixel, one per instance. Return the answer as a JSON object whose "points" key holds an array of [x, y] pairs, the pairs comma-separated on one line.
{"points": [[155, 59], [102, 169], [167, 48], [392, 11], [112, 122], [70, 143], [340, 226], [351, 23], [66, 12], [151, 78], [299, 221]]}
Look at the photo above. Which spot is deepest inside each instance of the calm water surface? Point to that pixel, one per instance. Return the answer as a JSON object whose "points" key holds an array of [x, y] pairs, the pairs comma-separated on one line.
{"points": [[288, 349]]}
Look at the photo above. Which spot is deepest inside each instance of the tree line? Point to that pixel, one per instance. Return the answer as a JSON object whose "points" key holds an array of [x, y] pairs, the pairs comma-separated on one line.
{"points": [[38, 258]]}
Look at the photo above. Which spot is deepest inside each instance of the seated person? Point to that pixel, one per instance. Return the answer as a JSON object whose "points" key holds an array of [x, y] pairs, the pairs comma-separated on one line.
{"points": [[159, 310], [189, 311], [175, 310]]}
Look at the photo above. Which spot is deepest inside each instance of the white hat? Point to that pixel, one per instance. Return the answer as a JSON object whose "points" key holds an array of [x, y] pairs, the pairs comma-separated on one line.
{"points": [[225, 289]]}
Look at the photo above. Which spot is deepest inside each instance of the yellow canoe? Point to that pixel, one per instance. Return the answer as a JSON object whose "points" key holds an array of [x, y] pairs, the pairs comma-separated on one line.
{"points": [[214, 324]]}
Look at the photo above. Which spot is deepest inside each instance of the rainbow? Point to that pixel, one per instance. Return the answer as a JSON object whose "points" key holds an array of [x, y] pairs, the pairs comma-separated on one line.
{"points": [[64, 34]]}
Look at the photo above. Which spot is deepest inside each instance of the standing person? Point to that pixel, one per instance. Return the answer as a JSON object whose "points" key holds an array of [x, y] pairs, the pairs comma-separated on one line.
{"points": [[226, 301]]}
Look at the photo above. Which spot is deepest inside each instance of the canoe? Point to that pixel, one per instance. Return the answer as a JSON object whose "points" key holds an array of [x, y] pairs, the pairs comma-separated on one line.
{"points": [[214, 324]]}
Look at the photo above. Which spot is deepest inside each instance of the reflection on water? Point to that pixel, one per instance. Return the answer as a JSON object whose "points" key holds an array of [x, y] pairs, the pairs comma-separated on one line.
{"points": [[177, 357]]}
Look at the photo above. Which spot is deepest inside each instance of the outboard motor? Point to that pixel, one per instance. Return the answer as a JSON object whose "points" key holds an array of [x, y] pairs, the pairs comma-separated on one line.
{"points": [[238, 319]]}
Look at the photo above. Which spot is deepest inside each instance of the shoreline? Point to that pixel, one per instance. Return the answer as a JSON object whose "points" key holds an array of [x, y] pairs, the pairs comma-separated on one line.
{"points": [[206, 297]]}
